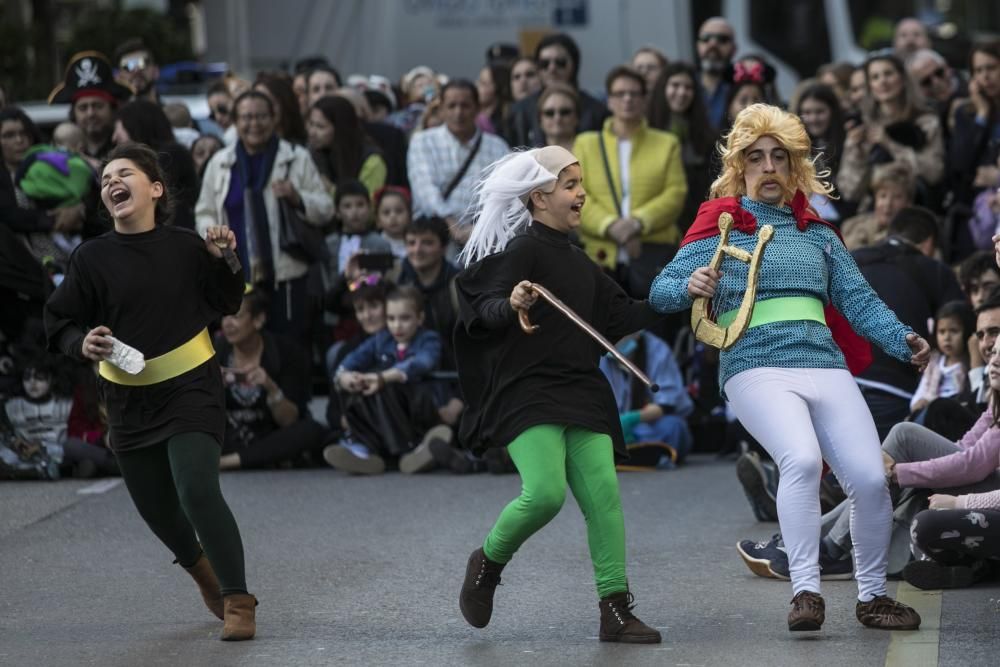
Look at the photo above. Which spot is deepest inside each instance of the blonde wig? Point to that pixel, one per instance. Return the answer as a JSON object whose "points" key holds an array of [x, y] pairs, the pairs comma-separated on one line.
{"points": [[754, 122]]}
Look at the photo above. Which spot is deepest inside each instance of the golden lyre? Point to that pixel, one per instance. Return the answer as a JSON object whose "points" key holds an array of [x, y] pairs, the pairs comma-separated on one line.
{"points": [[704, 328]]}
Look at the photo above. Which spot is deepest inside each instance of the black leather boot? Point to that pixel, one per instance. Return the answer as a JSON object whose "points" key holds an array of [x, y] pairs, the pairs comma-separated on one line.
{"points": [[619, 624], [482, 576]]}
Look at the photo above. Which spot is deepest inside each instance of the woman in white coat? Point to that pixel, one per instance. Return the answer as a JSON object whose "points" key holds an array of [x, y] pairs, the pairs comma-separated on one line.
{"points": [[243, 187]]}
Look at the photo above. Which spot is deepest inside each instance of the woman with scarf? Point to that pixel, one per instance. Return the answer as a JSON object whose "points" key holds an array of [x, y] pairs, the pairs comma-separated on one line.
{"points": [[243, 187]]}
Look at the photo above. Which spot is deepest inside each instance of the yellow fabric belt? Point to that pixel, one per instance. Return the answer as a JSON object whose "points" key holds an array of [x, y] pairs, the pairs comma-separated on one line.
{"points": [[177, 361], [780, 309]]}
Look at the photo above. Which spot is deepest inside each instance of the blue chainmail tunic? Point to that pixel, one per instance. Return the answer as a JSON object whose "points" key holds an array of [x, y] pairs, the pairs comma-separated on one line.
{"points": [[813, 263]]}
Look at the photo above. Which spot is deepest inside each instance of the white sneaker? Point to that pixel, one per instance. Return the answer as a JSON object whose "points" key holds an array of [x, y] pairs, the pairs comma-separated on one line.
{"points": [[421, 459], [353, 458]]}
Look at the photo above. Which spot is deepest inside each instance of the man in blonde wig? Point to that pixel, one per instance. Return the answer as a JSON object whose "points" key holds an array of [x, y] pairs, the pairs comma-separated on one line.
{"points": [[787, 378]]}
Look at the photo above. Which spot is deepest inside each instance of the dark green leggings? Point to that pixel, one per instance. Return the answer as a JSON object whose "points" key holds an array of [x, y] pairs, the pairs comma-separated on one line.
{"points": [[175, 486]]}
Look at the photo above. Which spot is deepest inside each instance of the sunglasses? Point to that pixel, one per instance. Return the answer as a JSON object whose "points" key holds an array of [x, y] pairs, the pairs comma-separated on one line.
{"points": [[992, 332], [370, 280], [719, 37], [560, 63], [939, 73], [561, 112], [133, 64]]}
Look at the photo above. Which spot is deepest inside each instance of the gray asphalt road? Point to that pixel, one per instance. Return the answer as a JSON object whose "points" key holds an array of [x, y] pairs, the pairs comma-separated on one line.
{"points": [[366, 571]]}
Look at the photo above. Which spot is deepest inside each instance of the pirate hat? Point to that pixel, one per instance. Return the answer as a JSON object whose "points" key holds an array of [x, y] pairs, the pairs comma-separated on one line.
{"points": [[89, 73]]}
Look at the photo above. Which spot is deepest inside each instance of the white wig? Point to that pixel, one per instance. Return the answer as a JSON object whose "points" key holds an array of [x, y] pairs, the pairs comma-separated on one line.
{"points": [[499, 202]]}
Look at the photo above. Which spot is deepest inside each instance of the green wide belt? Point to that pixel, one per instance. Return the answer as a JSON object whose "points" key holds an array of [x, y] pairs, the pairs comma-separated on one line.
{"points": [[780, 310]]}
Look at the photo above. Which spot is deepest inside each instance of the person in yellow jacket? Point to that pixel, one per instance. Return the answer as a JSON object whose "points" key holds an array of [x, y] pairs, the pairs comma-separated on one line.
{"points": [[635, 186]]}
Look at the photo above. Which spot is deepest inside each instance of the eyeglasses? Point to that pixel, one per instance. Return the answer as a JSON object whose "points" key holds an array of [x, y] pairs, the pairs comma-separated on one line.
{"points": [[133, 64], [562, 112], [560, 63], [370, 280], [622, 94], [262, 117], [719, 37], [939, 73], [992, 332]]}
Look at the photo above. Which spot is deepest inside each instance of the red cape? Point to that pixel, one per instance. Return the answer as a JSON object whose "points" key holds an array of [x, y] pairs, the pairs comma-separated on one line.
{"points": [[857, 350]]}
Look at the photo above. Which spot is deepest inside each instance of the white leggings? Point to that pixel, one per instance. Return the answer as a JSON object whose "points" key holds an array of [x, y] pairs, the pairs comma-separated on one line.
{"points": [[802, 416]]}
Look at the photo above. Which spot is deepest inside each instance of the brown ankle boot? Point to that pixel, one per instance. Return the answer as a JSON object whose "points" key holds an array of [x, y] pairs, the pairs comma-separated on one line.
{"points": [[482, 576], [808, 612], [208, 584], [240, 612], [619, 624]]}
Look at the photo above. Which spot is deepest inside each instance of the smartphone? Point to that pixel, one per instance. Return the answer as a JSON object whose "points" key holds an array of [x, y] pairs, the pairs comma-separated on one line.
{"points": [[376, 261], [234, 375]]}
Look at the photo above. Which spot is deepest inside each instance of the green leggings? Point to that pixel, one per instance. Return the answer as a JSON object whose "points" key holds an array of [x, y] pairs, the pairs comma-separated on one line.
{"points": [[175, 486], [549, 457]]}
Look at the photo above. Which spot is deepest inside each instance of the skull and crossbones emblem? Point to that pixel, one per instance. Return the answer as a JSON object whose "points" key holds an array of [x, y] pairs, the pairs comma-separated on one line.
{"points": [[86, 73]]}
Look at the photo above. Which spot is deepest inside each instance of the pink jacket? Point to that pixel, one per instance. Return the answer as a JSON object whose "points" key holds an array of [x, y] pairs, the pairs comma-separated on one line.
{"points": [[979, 456]]}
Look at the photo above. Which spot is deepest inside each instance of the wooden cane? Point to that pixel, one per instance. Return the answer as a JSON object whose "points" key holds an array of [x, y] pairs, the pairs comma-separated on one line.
{"points": [[529, 328]]}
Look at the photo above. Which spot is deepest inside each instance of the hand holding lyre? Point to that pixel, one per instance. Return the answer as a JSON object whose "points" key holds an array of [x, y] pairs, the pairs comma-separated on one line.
{"points": [[703, 282]]}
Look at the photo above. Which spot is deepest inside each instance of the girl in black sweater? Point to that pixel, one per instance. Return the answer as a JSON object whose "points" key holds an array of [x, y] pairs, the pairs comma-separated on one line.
{"points": [[156, 287]]}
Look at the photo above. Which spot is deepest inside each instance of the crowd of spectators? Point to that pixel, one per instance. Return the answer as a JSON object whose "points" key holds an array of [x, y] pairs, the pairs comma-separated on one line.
{"points": [[349, 200]]}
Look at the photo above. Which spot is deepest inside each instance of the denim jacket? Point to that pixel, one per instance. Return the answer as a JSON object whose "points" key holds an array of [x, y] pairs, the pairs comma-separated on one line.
{"points": [[379, 353]]}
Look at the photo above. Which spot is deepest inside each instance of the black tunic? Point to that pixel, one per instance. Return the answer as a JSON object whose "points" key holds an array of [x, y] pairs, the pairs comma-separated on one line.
{"points": [[513, 381], [155, 291]]}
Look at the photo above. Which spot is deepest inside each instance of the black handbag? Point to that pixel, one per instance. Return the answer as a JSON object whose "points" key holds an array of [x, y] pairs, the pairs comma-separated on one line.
{"points": [[304, 242]]}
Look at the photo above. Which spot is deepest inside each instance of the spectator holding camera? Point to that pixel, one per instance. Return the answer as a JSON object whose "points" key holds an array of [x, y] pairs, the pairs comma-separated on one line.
{"points": [[896, 127], [265, 376]]}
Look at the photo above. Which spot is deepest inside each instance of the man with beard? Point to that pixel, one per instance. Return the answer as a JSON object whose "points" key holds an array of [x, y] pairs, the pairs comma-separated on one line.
{"points": [[716, 46], [137, 69], [90, 88], [786, 376]]}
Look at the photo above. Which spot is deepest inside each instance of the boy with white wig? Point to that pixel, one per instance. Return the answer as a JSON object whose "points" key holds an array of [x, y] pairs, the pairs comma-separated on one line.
{"points": [[543, 396]]}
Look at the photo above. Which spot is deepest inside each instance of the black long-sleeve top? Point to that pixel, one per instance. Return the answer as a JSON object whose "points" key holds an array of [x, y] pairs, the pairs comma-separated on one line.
{"points": [[155, 290], [513, 381]]}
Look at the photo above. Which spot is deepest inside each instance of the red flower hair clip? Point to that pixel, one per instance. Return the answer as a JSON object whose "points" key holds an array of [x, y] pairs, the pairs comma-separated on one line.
{"points": [[749, 71]]}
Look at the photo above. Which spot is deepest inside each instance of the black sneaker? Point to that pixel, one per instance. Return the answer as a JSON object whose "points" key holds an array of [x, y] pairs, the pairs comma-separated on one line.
{"points": [[758, 555], [760, 484], [830, 569], [932, 575]]}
